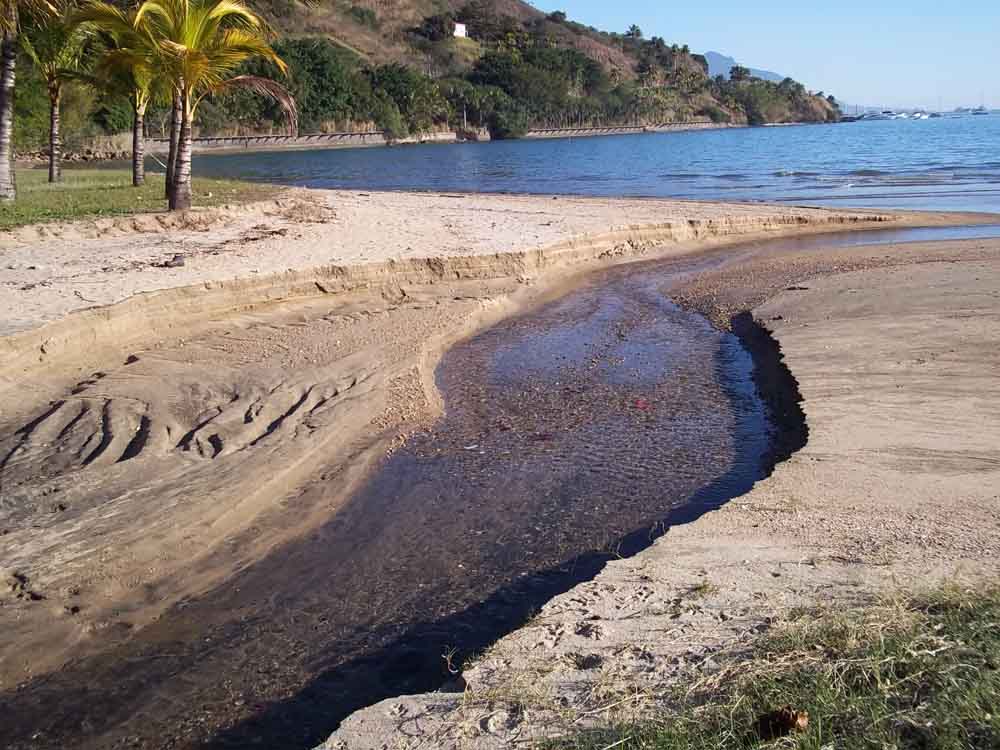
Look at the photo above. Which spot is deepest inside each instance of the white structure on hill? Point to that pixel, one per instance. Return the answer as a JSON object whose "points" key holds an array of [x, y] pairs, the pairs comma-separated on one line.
{"points": [[461, 30]]}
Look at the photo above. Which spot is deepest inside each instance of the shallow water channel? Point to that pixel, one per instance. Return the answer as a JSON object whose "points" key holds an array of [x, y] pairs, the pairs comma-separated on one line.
{"points": [[571, 434], [575, 432]]}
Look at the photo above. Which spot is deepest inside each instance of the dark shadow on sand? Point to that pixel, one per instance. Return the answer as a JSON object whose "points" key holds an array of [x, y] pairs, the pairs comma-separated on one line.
{"points": [[414, 662]]}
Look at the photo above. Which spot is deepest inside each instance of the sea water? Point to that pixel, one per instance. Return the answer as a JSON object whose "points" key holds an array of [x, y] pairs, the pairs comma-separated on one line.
{"points": [[950, 163]]}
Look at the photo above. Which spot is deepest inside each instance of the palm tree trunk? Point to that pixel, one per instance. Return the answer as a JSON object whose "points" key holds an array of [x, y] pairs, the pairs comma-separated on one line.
{"points": [[55, 146], [175, 132], [180, 198], [138, 147], [8, 58]]}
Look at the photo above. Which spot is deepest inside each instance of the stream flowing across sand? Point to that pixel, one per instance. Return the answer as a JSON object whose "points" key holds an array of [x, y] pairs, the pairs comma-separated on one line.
{"points": [[572, 433]]}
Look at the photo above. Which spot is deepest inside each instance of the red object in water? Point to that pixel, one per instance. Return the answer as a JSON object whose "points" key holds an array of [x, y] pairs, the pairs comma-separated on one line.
{"points": [[641, 403]]}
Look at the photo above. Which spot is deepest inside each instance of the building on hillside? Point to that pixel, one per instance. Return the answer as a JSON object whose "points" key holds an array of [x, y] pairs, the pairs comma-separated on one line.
{"points": [[461, 30]]}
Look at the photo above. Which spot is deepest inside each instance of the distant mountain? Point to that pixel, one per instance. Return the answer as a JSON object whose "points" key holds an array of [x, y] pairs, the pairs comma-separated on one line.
{"points": [[720, 65]]}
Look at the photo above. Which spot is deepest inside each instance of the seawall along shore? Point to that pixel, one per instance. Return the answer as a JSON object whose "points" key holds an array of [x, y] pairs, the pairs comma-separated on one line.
{"points": [[378, 138]]}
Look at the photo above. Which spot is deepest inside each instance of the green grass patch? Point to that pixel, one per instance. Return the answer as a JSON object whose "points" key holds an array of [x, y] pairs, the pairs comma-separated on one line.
{"points": [[90, 193], [921, 674]]}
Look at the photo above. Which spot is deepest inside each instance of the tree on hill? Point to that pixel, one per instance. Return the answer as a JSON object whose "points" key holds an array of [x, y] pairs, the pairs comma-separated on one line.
{"points": [[417, 97], [739, 73], [634, 32], [437, 27]]}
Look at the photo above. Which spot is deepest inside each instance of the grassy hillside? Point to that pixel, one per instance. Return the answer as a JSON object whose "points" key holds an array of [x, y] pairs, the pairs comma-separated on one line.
{"points": [[395, 65], [377, 30]]}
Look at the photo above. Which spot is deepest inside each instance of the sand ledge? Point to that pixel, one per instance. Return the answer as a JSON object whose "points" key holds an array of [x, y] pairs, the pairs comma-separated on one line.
{"points": [[138, 299]]}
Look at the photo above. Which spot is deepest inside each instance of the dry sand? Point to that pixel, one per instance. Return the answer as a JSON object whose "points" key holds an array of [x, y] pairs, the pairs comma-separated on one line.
{"points": [[47, 271], [162, 428]]}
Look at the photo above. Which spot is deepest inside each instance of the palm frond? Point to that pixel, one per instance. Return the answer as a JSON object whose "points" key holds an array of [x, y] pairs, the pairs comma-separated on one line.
{"points": [[28, 47], [233, 10], [11, 12], [155, 13], [56, 44], [105, 16], [252, 45]]}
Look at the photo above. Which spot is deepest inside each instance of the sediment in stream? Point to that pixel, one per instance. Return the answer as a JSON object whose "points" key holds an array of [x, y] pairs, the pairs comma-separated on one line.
{"points": [[429, 656]]}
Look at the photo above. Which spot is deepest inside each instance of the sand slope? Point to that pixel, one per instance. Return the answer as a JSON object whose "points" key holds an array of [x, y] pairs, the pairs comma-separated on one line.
{"points": [[47, 271]]}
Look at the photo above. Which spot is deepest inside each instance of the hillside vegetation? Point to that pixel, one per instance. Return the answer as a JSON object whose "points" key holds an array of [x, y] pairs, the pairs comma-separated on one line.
{"points": [[395, 65]]}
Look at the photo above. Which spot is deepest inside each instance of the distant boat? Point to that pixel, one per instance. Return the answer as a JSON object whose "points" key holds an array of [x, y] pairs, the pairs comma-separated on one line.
{"points": [[888, 114], [980, 110], [884, 115]]}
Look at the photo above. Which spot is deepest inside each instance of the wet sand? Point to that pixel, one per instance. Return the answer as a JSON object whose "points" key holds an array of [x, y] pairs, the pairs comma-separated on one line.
{"points": [[168, 508]]}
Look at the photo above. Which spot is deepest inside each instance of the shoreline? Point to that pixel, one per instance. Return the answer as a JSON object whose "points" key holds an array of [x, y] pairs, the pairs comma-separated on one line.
{"points": [[295, 267], [372, 139], [436, 300]]}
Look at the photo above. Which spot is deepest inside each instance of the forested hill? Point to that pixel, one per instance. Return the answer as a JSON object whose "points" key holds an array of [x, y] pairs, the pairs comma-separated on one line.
{"points": [[397, 65]]}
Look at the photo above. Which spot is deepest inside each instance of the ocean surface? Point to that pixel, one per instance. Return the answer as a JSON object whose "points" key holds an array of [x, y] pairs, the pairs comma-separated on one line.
{"points": [[951, 163]]}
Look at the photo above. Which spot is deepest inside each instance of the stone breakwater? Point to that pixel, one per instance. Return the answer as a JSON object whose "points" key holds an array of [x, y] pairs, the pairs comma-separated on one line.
{"points": [[378, 138], [74, 157]]}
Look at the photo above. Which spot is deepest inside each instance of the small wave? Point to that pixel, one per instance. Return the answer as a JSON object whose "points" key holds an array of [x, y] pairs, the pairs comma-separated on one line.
{"points": [[680, 176], [867, 173], [786, 173], [735, 176], [888, 194], [987, 166]]}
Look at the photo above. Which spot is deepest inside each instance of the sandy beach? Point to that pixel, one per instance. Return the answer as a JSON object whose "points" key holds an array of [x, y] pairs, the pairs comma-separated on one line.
{"points": [[897, 490], [180, 401]]}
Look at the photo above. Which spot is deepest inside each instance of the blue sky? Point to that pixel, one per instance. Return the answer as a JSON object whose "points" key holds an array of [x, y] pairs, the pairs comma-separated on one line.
{"points": [[878, 52]]}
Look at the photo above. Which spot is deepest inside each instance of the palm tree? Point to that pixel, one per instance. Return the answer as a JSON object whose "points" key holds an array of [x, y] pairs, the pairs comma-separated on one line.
{"points": [[201, 44], [128, 66], [56, 45], [10, 11]]}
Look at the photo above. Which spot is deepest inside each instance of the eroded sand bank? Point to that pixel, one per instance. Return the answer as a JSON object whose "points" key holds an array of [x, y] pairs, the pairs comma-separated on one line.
{"points": [[155, 448]]}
